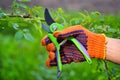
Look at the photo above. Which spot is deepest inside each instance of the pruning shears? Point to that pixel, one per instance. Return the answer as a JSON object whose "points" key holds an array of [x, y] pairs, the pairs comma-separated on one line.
{"points": [[51, 28]]}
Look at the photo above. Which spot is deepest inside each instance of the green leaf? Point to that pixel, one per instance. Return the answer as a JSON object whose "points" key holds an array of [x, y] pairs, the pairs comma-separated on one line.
{"points": [[23, 6], [112, 30], [18, 35], [60, 10], [15, 26], [96, 13], [24, 0], [25, 30], [28, 36], [2, 14], [82, 15], [15, 5], [77, 21]]}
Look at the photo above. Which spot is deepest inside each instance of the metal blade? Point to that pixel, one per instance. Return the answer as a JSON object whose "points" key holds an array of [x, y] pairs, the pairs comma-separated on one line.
{"points": [[48, 17], [46, 28]]}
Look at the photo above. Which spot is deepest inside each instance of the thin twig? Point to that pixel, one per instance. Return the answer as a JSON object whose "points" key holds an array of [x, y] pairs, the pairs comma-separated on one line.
{"points": [[107, 70], [27, 17], [16, 15]]}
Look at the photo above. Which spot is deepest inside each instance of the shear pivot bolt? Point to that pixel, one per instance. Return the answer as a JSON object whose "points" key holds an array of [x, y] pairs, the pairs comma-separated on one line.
{"points": [[54, 28]]}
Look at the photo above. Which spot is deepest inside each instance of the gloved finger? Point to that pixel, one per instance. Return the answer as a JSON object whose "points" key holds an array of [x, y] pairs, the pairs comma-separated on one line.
{"points": [[54, 63], [51, 56], [50, 62], [67, 58], [70, 31], [45, 41], [50, 47]]}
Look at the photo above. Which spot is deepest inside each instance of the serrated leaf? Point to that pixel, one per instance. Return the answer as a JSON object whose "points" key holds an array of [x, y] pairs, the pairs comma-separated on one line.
{"points": [[18, 35], [28, 36]]}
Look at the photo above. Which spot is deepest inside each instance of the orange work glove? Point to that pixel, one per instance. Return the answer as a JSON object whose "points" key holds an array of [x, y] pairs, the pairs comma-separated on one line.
{"points": [[95, 45]]}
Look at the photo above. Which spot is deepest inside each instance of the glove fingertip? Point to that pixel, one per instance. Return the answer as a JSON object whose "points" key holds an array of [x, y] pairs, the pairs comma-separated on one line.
{"points": [[43, 41], [51, 55], [50, 47], [48, 63]]}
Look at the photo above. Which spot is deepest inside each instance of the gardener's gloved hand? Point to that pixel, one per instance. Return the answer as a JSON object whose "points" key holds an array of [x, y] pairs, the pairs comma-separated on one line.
{"points": [[94, 44]]}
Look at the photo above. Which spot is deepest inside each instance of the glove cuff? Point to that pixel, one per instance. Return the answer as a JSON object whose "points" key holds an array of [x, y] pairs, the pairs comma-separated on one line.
{"points": [[97, 46]]}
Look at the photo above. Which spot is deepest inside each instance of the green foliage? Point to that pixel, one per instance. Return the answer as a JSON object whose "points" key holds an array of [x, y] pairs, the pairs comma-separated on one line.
{"points": [[23, 58], [18, 35]]}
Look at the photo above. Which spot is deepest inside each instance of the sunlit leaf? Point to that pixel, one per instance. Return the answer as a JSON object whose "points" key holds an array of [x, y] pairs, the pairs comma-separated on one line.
{"points": [[60, 10], [82, 15]]}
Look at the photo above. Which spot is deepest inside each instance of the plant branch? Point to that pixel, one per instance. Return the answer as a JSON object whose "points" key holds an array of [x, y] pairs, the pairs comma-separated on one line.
{"points": [[107, 70], [23, 16], [27, 17]]}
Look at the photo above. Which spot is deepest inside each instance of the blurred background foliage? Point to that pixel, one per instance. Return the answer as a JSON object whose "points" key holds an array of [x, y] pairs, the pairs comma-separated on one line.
{"points": [[23, 58]]}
